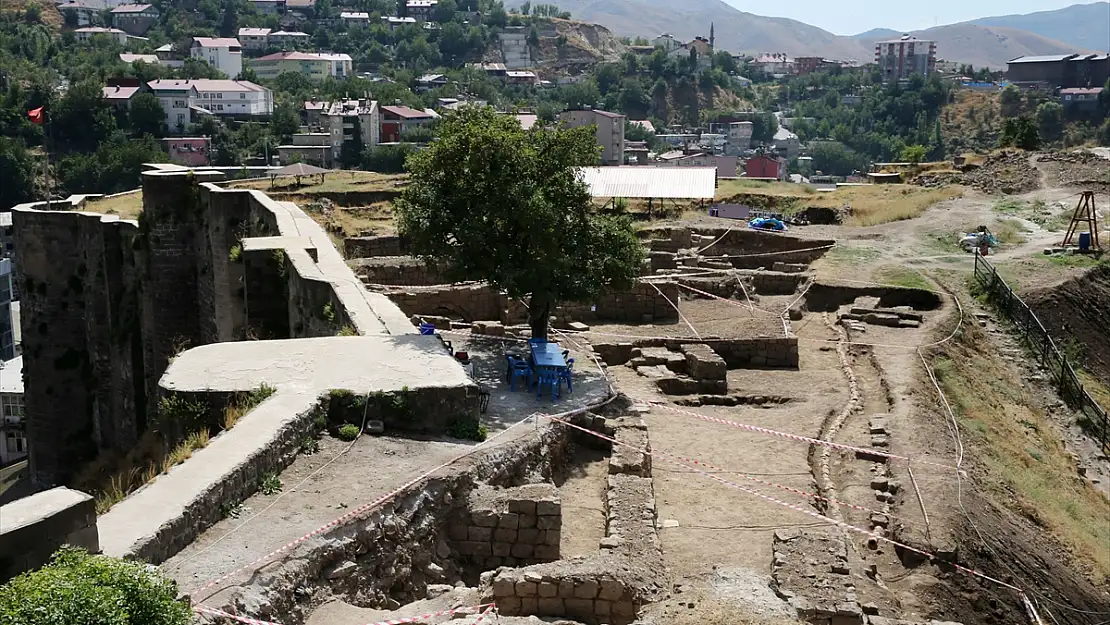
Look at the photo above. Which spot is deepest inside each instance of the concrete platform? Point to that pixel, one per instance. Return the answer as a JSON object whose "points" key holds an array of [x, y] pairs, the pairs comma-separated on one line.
{"points": [[356, 363]]}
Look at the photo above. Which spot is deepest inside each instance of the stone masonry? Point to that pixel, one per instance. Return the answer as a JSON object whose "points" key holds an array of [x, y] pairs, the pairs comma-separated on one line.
{"points": [[511, 526], [33, 527]]}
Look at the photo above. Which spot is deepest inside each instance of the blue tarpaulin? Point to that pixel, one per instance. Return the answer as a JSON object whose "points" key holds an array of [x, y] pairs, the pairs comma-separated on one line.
{"points": [[764, 223]]}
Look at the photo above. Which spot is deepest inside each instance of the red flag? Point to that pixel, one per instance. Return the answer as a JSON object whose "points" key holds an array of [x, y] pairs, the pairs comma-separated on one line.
{"points": [[36, 115]]}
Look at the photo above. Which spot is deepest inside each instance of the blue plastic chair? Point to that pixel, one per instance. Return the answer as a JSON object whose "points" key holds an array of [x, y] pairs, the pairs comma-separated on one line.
{"points": [[547, 376], [567, 374], [519, 369]]}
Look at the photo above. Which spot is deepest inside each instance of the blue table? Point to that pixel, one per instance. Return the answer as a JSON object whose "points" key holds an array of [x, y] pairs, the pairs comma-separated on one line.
{"points": [[548, 355]]}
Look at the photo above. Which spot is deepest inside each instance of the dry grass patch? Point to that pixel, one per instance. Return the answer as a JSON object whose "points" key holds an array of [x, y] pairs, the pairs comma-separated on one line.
{"points": [[1026, 465], [338, 181], [127, 206], [1010, 231]]}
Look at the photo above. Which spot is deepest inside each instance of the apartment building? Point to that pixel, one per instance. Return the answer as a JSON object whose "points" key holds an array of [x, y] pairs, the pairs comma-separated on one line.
{"points": [[288, 39], [420, 10], [254, 38], [135, 19], [398, 119], [314, 148], [80, 14], [268, 7], [898, 59], [340, 120], [189, 151], [13, 431], [315, 66], [355, 18], [1060, 71], [609, 131], [83, 35], [120, 96], [223, 53], [181, 99]]}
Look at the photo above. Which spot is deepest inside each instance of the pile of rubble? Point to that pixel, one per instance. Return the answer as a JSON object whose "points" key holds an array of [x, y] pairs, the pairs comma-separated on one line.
{"points": [[1078, 168], [1008, 173]]}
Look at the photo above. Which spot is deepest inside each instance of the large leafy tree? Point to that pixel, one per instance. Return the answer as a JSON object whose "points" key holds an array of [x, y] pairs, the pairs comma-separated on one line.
{"points": [[16, 173], [498, 203], [147, 116]]}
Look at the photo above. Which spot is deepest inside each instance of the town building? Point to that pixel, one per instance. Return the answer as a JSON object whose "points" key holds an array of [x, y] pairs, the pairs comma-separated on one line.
{"points": [[397, 120], [786, 143], [808, 64], [739, 137], [314, 148], [169, 56], [898, 59], [1080, 99], [288, 39], [151, 59], [643, 123], [303, 7], [355, 18], [268, 7], [396, 22], [7, 331], [80, 13], [181, 99], [775, 64], [725, 165], [420, 10], [83, 35], [254, 38], [609, 131], [312, 110], [223, 53], [135, 19], [521, 77], [338, 120], [766, 166], [492, 70], [1059, 71], [314, 66], [667, 42], [427, 82], [189, 151], [13, 430], [120, 96], [947, 67]]}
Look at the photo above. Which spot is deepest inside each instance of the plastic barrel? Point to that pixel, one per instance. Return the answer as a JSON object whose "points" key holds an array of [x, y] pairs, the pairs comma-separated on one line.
{"points": [[1084, 241]]}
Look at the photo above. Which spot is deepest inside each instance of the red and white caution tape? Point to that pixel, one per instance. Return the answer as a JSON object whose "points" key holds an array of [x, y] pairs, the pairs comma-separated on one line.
{"points": [[799, 438], [847, 526], [485, 608]]}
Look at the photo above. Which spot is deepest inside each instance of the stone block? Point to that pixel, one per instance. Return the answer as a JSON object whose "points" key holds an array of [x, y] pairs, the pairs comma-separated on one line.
{"points": [[548, 589], [546, 553], [489, 328], [527, 536], [504, 587], [529, 605], [483, 518], [546, 507], [527, 521], [623, 610], [549, 522], [677, 385], [483, 534], [552, 538], [610, 590], [509, 605], [566, 589], [578, 326], [504, 535], [458, 531], [521, 550], [522, 506], [614, 354], [509, 520], [702, 363], [502, 549], [527, 589], [493, 562], [602, 608], [586, 589], [580, 608], [551, 606]]}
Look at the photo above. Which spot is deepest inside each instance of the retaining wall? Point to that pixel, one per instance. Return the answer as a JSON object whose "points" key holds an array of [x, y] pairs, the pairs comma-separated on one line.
{"points": [[399, 270], [771, 352], [521, 525], [33, 527], [369, 247]]}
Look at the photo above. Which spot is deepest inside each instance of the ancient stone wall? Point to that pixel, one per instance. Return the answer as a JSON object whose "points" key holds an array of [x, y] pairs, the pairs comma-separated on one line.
{"points": [[511, 527], [35, 526], [473, 302], [369, 247], [398, 270], [771, 352]]}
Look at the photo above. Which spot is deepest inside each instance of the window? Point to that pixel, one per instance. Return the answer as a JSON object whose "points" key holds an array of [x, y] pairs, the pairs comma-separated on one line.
{"points": [[219, 107], [16, 444], [12, 407], [219, 96], [242, 96]]}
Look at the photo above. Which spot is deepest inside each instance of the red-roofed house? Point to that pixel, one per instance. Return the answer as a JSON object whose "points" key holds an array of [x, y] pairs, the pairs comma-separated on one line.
{"points": [[764, 166], [134, 19], [120, 96], [1080, 99], [397, 119]]}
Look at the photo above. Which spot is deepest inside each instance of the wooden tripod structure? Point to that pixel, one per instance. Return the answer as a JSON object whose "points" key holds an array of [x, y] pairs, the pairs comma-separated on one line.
{"points": [[1085, 213]]}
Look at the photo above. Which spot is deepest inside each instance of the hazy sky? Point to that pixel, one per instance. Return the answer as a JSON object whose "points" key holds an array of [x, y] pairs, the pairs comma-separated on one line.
{"points": [[849, 17]]}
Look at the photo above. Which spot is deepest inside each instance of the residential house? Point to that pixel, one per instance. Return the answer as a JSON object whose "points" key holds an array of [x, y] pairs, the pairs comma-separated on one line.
{"points": [[151, 59], [188, 151], [725, 165], [121, 96], [667, 42], [947, 67], [13, 430], [766, 166], [288, 39], [396, 22], [774, 64], [421, 10], [355, 18], [83, 35], [178, 99], [254, 38], [898, 59], [396, 120], [169, 56], [268, 7], [348, 121], [313, 65], [303, 7], [739, 137], [181, 99], [682, 52], [313, 148], [643, 123], [787, 143], [135, 19], [808, 64], [1080, 99], [609, 131], [427, 82], [312, 111], [223, 53], [701, 45], [1060, 71], [492, 70], [521, 77], [80, 13]]}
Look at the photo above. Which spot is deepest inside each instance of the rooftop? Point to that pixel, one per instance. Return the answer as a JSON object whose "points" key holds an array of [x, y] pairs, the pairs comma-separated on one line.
{"points": [[132, 8], [405, 112], [97, 29], [354, 15], [289, 33], [1081, 91], [1054, 58], [216, 42], [304, 56], [643, 123], [11, 376], [254, 32], [145, 58], [123, 93], [204, 85], [651, 182]]}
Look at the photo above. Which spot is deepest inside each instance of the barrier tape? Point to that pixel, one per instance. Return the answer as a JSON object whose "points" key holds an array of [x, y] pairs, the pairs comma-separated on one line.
{"points": [[815, 515], [750, 306], [485, 608], [798, 437]]}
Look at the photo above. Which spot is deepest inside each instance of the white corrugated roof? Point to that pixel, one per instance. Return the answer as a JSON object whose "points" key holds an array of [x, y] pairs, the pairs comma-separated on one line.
{"points": [[693, 183], [11, 376]]}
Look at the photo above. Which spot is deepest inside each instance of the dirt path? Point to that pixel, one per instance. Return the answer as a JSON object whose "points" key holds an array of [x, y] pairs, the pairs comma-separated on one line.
{"points": [[582, 493]]}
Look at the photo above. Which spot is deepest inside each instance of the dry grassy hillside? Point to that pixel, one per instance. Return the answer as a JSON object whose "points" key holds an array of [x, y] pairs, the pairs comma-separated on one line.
{"points": [[49, 14]]}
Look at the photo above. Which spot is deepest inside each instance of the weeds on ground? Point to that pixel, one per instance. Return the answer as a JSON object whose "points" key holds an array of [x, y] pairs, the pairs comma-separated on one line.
{"points": [[269, 484], [348, 432], [230, 510], [309, 445], [844, 255], [900, 276], [244, 403], [1027, 467], [467, 428], [347, 330], [1081, 261], [1010, 231]]}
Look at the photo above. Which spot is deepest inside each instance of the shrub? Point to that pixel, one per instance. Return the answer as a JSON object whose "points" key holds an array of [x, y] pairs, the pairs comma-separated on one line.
{"points": [[348, 432], [468, 429], [269, 483], [309, 445], [78, 588]]}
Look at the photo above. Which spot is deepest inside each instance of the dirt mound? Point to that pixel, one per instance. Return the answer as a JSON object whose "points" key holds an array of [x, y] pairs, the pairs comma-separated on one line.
{"points": [[1078, 168], [1077, 314], [1007, 173]]}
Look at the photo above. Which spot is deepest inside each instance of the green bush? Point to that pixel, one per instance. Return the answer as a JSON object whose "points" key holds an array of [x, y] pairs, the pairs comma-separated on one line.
{"points": [[468, 429], [81, 589], [348, 432]]}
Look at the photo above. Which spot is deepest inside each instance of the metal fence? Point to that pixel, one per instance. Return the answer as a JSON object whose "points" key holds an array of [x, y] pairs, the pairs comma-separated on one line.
{"points": [[1092, 417]]}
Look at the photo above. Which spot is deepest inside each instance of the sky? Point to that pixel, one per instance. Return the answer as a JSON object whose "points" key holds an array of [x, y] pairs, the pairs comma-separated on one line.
{"points": [[850, 17]]}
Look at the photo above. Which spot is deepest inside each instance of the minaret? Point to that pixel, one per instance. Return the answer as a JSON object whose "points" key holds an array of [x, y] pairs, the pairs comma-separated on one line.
{"points": [[711, 36]]}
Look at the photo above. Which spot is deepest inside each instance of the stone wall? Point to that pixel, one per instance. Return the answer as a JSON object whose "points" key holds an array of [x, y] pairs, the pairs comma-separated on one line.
{"points": [[756, 352], [398, 270], [775, 282], [512, 526], [35, 526], [369, 247], [737, 246]]}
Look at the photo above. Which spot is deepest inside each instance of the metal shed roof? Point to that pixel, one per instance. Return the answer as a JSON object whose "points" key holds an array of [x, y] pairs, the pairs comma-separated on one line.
{"points": [[651, 182]]}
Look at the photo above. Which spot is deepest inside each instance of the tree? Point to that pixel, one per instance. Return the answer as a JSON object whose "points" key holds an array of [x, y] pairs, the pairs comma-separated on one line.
{"points": [[16, 173], [764, 127], [913, 154], [1050, 121], [82, 119], [836, 159], [520, 218], [534, 37], [285, 122], [388, 159], [444, 11], [1010, 101], [146, 116], [115, 166], [229, 25], [1020, 132], [80, 588]]}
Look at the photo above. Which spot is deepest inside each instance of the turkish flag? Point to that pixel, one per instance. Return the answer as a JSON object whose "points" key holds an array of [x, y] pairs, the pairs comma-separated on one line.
{"points": [[36, 115]]}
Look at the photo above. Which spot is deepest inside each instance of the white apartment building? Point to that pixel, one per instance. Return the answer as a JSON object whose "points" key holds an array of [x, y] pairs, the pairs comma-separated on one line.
{"points": [[338, 120], [352, 18], [181, 99], [13, 432], [223, 53], [609, 131], [85, 34], [254, 38]]}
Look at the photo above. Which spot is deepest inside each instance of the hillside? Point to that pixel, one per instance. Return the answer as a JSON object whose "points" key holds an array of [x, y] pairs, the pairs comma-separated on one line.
{"points": [[1084, 26], [987, 46]]}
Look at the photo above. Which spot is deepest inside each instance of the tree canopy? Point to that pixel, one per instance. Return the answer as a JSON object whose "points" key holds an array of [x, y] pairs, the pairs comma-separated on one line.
{"points": [[494, 202]]}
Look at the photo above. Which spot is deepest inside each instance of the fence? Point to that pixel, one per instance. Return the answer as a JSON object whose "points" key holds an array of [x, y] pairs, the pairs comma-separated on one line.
{"points": [[1091, 416]]}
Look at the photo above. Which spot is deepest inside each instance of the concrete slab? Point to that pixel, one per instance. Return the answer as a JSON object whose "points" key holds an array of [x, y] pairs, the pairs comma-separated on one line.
{"points": [[359, 364], [32, 509], [276, 243]]}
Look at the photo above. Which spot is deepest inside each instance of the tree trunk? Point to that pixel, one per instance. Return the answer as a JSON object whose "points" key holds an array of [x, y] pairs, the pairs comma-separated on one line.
{"points": [[539, 310]]}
